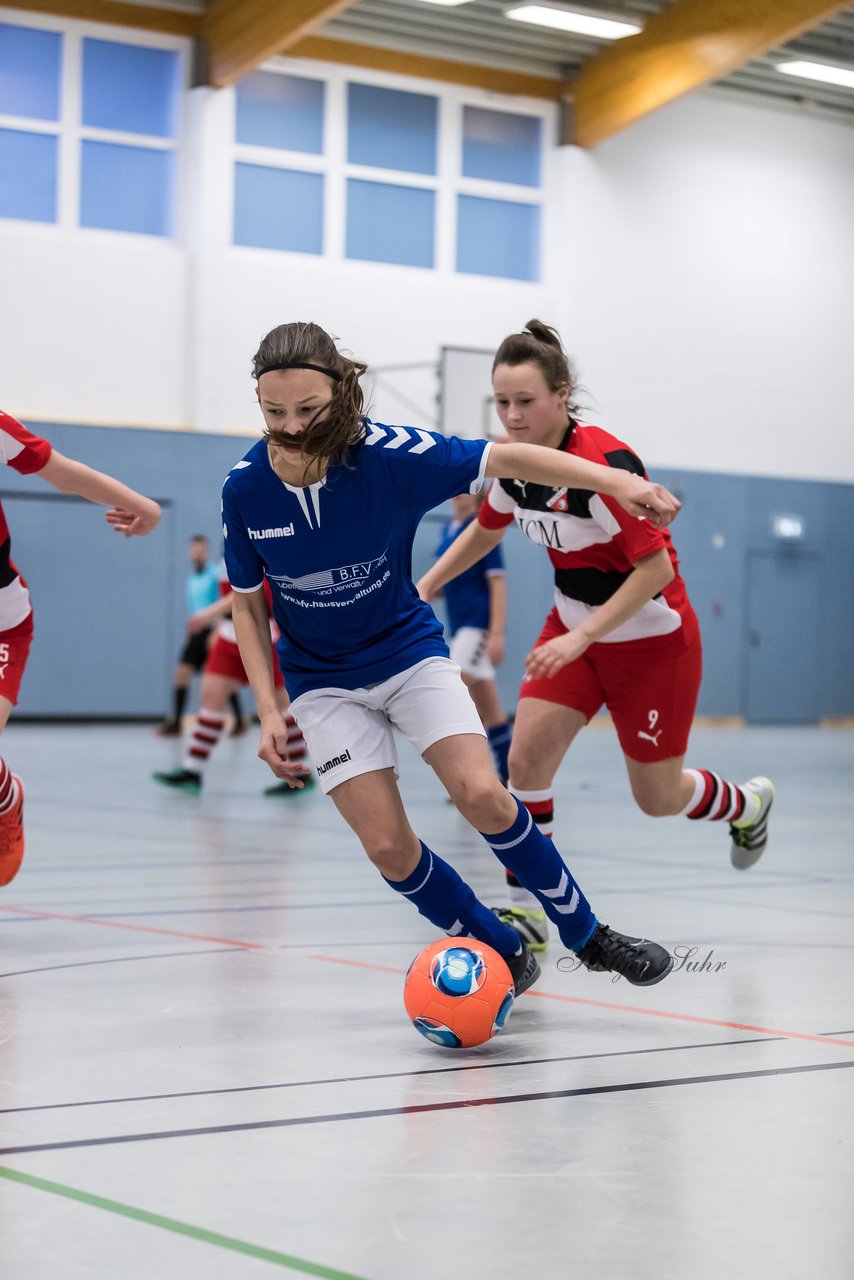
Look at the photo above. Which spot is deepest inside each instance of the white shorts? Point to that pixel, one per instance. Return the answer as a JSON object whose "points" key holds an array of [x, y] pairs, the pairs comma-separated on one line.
{"points": [[468, 650], [350, 731]]}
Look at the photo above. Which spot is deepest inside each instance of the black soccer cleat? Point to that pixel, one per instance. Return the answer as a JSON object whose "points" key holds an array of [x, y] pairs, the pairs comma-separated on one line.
{"points": [[524, 969], [639, 961]]}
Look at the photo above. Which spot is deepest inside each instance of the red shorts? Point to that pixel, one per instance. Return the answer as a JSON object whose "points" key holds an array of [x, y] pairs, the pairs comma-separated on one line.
{"points": [[14, 650], [224, 660], [649, 686]]}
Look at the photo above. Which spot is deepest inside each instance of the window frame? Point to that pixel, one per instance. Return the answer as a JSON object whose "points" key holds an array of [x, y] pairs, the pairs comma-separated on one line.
{"points": [[71, 132], [447, 183]]}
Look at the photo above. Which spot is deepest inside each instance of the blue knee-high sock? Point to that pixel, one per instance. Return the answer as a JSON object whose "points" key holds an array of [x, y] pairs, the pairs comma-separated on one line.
{"points": [[537, 865], [449, 903], [499, 744]]}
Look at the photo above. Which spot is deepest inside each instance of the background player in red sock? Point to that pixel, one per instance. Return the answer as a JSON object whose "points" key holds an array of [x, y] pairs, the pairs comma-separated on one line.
{"points": [[622, 632], [130, 513], [224, 674]]}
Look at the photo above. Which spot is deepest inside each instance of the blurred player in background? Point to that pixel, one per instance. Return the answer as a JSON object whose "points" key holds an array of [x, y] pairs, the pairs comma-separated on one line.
{"points": [[202, 591], [476, 608]]}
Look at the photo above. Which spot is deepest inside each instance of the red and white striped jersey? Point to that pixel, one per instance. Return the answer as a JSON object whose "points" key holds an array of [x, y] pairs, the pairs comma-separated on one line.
{"points": [[27, 453], [591, 541]]}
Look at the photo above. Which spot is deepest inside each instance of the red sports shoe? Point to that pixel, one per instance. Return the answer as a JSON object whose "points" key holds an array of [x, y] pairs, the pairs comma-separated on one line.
{"points": [[12, 838]]}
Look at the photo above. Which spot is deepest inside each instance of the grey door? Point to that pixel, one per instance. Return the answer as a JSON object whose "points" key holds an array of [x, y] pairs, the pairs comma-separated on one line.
{"points": [[782, 676]]}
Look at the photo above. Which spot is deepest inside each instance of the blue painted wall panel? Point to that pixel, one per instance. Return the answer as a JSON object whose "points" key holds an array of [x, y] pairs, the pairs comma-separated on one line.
{"points": [[127, 669]]}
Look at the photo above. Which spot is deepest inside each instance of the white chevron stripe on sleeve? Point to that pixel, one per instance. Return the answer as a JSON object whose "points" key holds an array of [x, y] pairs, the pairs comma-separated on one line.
{"points": [[427, 442], [376, 433], [401, 436]]}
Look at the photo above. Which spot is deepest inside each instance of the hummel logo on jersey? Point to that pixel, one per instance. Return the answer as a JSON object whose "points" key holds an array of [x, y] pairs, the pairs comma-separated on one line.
{"points": [[277, 531], [331, 764]]}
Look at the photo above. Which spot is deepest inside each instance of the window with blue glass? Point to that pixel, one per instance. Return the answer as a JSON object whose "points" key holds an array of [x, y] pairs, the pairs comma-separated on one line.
{"points": [[278, 208], [126, 188], [130, 88], [391, 129], [30, 72], [502, 147], [28, 175], [280, 111], [498, 238], [390, 223]]}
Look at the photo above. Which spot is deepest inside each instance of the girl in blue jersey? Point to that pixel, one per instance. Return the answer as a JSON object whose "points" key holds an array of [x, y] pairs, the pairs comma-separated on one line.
{"points": [[325, 507], [622, 631], [476, 609]]}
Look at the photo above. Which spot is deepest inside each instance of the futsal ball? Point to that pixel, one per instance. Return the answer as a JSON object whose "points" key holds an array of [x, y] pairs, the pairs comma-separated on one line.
{"points": [[458, 993]]}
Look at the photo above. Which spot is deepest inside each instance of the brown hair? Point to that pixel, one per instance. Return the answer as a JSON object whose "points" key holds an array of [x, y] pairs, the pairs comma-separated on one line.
{"points": [[338, 426], [540, 344]]}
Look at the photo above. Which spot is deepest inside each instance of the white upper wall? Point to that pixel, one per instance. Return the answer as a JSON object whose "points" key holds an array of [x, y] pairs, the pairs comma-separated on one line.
{"points": [[709, 292], [699, 266]]}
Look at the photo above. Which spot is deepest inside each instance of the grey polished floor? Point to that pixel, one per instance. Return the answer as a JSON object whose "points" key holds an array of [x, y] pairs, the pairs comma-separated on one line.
{"points": [[206, 1069]]}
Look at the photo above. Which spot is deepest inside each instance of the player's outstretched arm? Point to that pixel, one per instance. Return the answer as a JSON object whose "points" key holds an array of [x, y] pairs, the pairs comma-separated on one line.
{"points": [[130, 512], [539, 465], [252, 628], [472, 545]]}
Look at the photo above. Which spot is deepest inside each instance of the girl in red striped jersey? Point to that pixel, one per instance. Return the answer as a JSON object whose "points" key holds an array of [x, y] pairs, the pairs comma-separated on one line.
{"points": [[130, 513], [622, 632]]}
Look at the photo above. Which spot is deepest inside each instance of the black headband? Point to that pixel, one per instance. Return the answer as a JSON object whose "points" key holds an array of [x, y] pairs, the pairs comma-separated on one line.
{"points": [[299, 364]]}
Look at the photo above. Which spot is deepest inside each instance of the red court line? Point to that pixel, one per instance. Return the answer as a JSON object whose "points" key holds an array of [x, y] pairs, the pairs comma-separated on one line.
{"points": [[134, 928], [630, 1008], [358, 964]]}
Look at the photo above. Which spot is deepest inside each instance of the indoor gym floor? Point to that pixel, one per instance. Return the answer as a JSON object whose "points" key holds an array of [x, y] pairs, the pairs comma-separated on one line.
{"points": [[206, 1069]]}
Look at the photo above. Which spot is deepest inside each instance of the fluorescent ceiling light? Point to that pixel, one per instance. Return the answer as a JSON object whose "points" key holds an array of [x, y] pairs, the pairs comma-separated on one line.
{"points": [[584, 24], [449, 3], [819, 71]]}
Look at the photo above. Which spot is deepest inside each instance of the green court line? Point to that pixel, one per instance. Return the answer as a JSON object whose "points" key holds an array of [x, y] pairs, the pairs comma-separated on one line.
{"points": [[180, 1228]]}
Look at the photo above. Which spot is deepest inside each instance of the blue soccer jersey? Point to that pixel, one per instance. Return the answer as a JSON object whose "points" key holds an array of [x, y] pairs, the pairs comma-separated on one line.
{"points": [[338, 554], [467, 596]]}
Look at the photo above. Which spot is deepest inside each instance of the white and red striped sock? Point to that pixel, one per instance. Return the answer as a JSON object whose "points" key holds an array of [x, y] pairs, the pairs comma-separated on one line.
{"points": [[297, 749], [8, 787], [207, 733], [714, 799]]}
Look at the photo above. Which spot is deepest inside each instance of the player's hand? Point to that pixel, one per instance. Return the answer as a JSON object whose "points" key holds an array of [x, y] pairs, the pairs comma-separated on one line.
{"points": [[273, 750], [650, 501], [547, 659], [134, 523], [196, 623]]}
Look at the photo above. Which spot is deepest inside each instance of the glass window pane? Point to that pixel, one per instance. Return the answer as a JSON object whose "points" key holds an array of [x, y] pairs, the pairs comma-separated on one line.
{"points": [[390, 224], [501, 147], [127, 188], [280, 111], [391, 129], [28, 175], [30, 64], [498, 238], [278, 209], [131, 88]]}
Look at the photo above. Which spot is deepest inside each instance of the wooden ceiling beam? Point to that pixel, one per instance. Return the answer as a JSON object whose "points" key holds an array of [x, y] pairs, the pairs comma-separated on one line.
{"points": [[141, 16], [443, 69], [685, 45], [239, 34]]}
